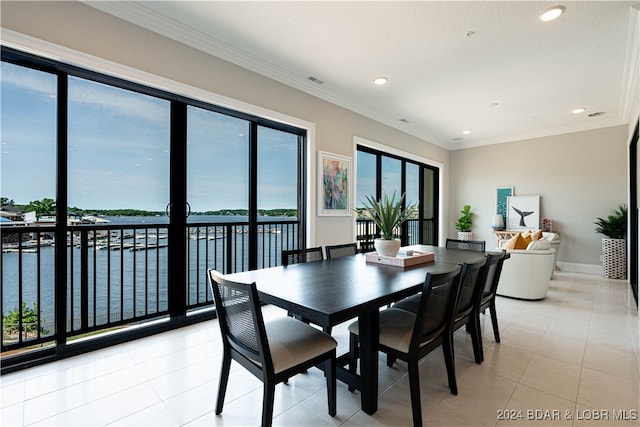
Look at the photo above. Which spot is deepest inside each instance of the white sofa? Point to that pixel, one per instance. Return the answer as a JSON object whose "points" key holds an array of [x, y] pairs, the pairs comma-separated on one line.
{"points": [[527, 273], [554, 241]]}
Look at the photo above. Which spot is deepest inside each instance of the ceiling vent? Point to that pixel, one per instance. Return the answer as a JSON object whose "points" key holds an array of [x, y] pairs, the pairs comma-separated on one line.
{"points": [[315, 80]]}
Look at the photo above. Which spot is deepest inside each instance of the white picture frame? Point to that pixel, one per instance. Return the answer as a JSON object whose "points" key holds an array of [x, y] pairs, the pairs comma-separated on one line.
{"points": [[523, 213]]}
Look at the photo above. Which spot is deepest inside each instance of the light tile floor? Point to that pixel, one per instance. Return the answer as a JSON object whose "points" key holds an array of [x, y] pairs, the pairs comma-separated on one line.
{"points": [[571, 359]]}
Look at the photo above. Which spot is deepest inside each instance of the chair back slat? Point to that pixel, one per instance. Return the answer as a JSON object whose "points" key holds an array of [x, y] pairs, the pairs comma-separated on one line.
{"points": [[467, 245], [297, 256], [335, 251]]}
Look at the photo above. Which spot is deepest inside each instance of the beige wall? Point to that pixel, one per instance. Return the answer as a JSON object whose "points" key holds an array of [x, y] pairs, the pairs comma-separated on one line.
{"points": [[579, 176]]}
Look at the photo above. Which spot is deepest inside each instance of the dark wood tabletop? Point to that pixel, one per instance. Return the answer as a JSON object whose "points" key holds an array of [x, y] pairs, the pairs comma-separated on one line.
{"points": [[333, 291]]}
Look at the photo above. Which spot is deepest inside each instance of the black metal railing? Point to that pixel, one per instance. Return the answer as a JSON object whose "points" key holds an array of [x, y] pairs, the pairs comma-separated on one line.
{"points": [[118, 274], [417, 232]]}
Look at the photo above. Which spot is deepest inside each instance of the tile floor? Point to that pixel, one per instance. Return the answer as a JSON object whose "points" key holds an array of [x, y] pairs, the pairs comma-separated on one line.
{"points": [[571, 359]]}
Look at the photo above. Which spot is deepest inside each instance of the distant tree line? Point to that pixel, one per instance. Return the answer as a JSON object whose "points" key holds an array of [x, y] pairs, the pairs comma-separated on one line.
{"points": [[47, 206]]}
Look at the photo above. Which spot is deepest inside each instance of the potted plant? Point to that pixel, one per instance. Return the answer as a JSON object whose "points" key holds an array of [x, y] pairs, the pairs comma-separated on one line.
{"points": [[464, 223], [388, 215], [614, 246]]}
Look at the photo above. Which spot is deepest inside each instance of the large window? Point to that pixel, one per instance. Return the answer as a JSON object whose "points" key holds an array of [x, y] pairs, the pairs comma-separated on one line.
{"points": [[380, 173], [129, 194]]}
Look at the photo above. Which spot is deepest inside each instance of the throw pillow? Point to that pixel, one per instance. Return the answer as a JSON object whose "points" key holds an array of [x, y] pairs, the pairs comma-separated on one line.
{"points": [[536, 235], [516, 242]]}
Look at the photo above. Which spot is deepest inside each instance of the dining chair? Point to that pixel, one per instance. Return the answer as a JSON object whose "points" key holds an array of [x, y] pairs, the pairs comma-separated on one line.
{"points": [[471, 287], [272, 351], [335, 251], [296, 256], [411, 336], [488, 299], [468, 245]]}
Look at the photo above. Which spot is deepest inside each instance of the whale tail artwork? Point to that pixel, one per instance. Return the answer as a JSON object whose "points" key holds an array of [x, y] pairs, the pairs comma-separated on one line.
{"points": [[522, 215]]}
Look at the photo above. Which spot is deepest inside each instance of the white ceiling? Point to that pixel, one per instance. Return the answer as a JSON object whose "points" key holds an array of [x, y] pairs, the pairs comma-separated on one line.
{"points": [[490, 67]]}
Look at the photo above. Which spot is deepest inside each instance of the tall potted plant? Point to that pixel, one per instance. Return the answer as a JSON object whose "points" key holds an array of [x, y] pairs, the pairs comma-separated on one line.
{"points": [[388, 215], [464, 223], [614, 246]]}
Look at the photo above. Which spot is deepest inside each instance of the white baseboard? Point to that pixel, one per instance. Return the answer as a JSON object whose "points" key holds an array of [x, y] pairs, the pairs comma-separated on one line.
{"points": [[572, 267]]}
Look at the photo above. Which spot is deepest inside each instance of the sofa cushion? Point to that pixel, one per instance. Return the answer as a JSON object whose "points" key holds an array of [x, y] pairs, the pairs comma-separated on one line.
{"points": [[540, 244]]}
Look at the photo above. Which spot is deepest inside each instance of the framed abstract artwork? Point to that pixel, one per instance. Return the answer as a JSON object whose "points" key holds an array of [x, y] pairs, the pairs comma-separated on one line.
{"points": [[523, 213], [502, 193], [334, 182]]}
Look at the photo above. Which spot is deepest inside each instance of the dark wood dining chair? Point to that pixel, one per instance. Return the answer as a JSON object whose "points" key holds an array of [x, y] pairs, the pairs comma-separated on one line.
{"points": [[488, 299], [296, 256], [335, 251], [411, 336], [471, 288], [272, 351], [467, 245]]}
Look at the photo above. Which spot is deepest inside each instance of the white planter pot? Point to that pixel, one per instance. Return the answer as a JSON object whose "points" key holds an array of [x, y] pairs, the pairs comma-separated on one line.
{"points": [[465, 235], [614, 258], [387, 247]]}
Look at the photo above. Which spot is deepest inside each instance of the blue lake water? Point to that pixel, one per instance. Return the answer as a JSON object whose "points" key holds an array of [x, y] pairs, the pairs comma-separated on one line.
{"points": [[143, 273]]}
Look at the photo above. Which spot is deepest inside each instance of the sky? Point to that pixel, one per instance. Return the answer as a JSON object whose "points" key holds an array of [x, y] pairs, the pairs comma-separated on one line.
{"points": [[118, 151]]}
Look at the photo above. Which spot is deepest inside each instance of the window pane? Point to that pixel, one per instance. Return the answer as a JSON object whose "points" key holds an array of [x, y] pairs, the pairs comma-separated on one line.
{"points": [[277, 169], [28, 129], [412, 185], [365, 177], [218, 162], [391, 176], [118, 148]]}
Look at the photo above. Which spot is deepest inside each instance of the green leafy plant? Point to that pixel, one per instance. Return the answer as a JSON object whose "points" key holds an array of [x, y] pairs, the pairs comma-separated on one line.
{"points": [[11, 320], [464, 222], [387, 214], [615, 225]]}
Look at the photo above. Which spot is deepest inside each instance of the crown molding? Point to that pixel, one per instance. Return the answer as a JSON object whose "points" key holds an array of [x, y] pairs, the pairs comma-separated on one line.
{"points": [[137, 14]]}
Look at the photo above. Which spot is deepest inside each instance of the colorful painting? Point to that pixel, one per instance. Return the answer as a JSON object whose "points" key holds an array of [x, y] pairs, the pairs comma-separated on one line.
{"points": [[334, 191]]}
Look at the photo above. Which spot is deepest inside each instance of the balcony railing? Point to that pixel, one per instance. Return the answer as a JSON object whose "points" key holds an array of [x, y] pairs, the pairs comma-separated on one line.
{"points": [[117, 275], [418, 232]]}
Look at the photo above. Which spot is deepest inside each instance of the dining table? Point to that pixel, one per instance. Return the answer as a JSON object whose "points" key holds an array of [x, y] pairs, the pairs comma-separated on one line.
{"points": [[332, 291]]}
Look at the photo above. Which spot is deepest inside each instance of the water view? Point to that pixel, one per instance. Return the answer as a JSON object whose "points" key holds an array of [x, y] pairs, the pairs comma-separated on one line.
{"points": [[127, 265]]}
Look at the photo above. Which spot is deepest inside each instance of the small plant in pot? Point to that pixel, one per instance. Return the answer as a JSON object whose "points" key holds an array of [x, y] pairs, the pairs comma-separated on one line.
{"points": [[614, 246], [464, 223], [387, 214]]}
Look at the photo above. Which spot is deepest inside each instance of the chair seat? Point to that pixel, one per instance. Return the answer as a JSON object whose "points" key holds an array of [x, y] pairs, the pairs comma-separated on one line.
{"points": [[396, 327], [293, 342], [409, 304]]}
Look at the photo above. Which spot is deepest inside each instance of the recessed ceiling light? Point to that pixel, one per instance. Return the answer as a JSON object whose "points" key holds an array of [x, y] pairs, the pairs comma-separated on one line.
{"points": [[466, 132], [380, 81], [552, 13], [578, 110]]}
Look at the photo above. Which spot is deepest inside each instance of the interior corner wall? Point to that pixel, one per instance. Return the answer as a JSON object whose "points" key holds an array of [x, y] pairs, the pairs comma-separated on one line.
{"points": [[579, 177], [81, 28]]}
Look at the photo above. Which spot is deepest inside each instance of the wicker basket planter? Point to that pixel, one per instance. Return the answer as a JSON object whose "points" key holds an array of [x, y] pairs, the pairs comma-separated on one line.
{"points": [[614, 258], [465, 235]]}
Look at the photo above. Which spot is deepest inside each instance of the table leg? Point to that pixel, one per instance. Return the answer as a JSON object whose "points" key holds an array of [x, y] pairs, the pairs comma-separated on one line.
{"points": [[369, 325]]}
